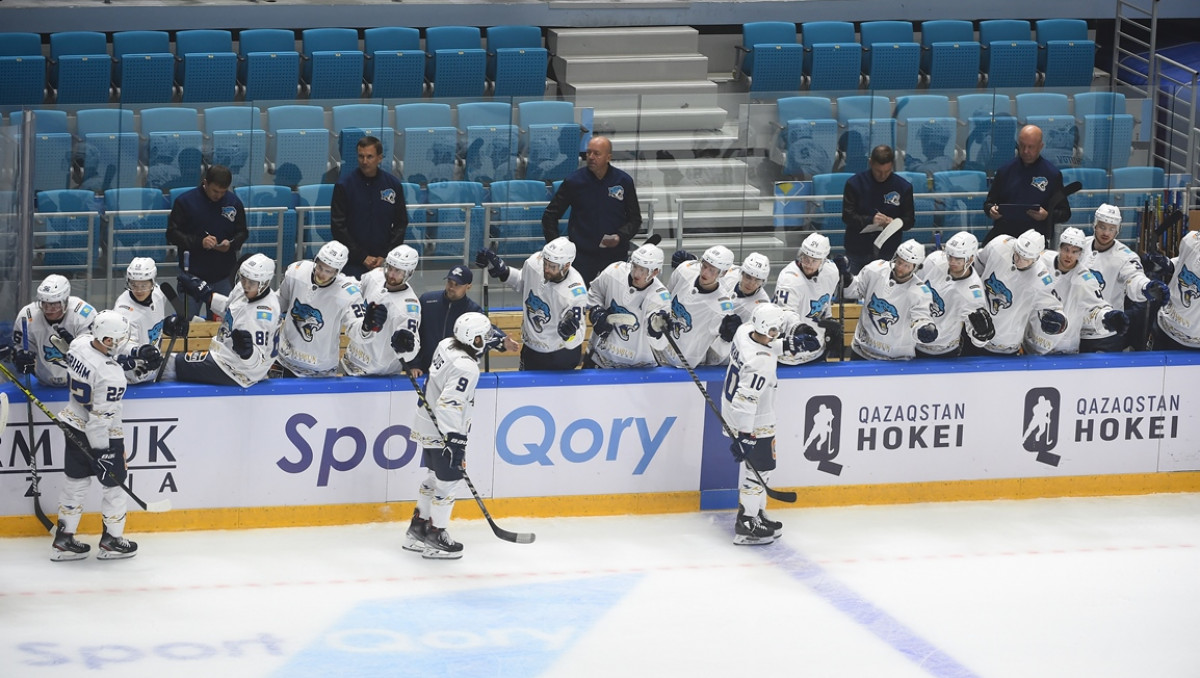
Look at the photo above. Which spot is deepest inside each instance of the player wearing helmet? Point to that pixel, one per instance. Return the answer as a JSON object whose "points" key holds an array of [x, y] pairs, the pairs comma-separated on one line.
{"points": [[1179, 318], [806, 288], [628, 288], [703, 320], [1083, 303], [896, 307], [747, 282], [1017, 290], [149, 313], [386, 336], [318, 301], [957, 304], [54, 311]]}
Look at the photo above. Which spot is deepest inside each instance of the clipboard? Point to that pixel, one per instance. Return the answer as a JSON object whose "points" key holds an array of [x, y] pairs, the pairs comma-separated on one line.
{"points": [[1016, 211]]}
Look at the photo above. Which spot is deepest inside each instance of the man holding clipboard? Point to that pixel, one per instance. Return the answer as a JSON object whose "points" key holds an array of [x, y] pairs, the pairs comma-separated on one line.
{"points": [[1027, 192], [872, 200]]}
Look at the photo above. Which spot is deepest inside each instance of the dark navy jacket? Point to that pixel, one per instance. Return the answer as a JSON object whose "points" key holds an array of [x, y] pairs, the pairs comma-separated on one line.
{"points": [[862, 198], [368, 216], [1019, 184], [193, 216]]}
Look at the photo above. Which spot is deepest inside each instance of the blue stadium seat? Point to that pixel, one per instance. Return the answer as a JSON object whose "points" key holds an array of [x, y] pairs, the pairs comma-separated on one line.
{"points": [[549, 139], [770, 57], [517, 229], [989, 131], [450, 235], [268, 64], [1093, 194], [928, 131], [51, 148], [1105, 129], [109, 146], [332, 63], [143, 66], [298, 144], [962, 212], [831, 184], [1066, 57], [22, 69], [832, 56], [867, 122], [237, 141], [516, 61], [1124, 178], [456, 63], [428, 142], [395, 62], [313, 224], [809, 134], [1009, 57], [414, 235], [205, 65], [950, 54], [272, 232], [352, 122], [66, 244], [490, 139], [131, 231], [891, 57], [174, 147], [80, 67], [925, 207], [1051, 111]]}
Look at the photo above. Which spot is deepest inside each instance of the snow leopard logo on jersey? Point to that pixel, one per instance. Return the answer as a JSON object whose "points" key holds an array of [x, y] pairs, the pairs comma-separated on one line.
{"points": [[683, 319], [937, 308], [883, 314], [816, 308], [623, 331], [537, 311], [308, 320], [998, 294], [229, 212], [1099, 277], [52, 355], [892, 198], [1189, 286], [1040, 183]]}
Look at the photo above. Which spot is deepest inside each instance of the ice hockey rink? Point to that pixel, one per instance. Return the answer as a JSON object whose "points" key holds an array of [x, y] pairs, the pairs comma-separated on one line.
{"points": [[1046, 587]]}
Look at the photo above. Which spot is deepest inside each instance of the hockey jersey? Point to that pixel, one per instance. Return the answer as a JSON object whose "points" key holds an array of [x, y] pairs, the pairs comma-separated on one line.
{"points": [[1083, 305], [311, 332], [697, 317], [546, 304], [261, 319], [51, 366], [450, 392], [371, 353], [1013, 297], [627, 346], [748, 398], [1180, 318], [810, 299], [743, 304], [1119, 272], [98, 386], [145, 326], [891, 312], [951, 302]]}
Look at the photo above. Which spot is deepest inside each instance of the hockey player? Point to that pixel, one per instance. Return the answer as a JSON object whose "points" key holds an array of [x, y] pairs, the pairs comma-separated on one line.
{"points": [[98, 386], [149, 313], [555, 299], [55, 311], [958, 301], [1016, 287], [1121, 278], [631, 288], [317, 301], [247, 341], [450, 393], [747, 282], [806, 288], [896, 307], [1179, 319], [1083, 303], [387, 336], [703, 321]]}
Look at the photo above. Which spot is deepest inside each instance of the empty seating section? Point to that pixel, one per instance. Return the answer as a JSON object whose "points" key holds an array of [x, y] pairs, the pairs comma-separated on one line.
{"points": [[69, 242], [988, 129], [516, 61], [174, 147], [1009, 56], [143, 66], [205, 66], [80, 67], [517, 228], [866, 122], [1105, 129], [1132, 201], [550, 139], [1093, 194], [809, 134], [456, 64], [832, 56], [22, 70], [452, 232], [312, 211], [237, 140], [927, 133], [268, 64], [52, 144], [298, 144], [963, 211], [333, 63], [833, 185], [924, 206], [271, 220], [770, 57], [109, 148], [136, 225], [950, 54], [1066, 55], [395, 62], [490, 140], [891, 58], [428, 142]]}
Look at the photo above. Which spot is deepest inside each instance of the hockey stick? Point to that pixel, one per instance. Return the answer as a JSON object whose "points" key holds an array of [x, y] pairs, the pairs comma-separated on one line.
{"points": [[514, 537], [654, 239], [789, 497], [487, 358], [169, 293], [187, 261], [31, 450], [153, 507], [888, 231]]}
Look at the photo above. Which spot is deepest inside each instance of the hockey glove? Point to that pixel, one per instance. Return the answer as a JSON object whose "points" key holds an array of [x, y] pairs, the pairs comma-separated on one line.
{"points": [[681, 256], [243, 344], [194, 287], [485, 258], [374, 317], [741, 446], [729, 325], [455, 450], [1117, 321], [62, 332], [495, 341], [568, 326], [803, 340], [599, 318], [1157, 266], [843, 266], [927, 333], [110, 466], [658, 323], [24, 361], [150, 356], [403, 341], [1052, 321], [176, 326], [1156, 290], [981, 324]]}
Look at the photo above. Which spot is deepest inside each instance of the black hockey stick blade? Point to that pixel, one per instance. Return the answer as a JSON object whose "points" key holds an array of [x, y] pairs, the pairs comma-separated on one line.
{"points": [[654, 239], [172, 298], [1072, 188]]}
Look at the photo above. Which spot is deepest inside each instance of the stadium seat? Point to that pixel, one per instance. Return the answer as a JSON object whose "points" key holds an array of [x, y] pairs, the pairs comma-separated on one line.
{"points": [[272, 232], [52, 145], [950, 54], [428, 142], [831, 184], [925, 207], [1105, 129], [928, 131], [866, 122], [238, 141], [143, 67], [891, 58], [456, 64], [988, 129], [770, 57], [1093, 194], [963, 212], [131, 231], [517, 229], [414, 198], [297, 144], [490, 139], [1124, 178], [22, 69], [1066, 57], [1051, 111], [80, 67], [1009, 56], [174, 147], [205, 65], [395, 62], [268, 64], [809, 135], [832, 57], [352, 122], [68, 243], [549, 139], [516, 61], [450, 235], [109, 145], [312, 208], [332, 63]]}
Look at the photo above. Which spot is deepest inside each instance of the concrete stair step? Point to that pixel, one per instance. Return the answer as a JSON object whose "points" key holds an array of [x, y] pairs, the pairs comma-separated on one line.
{"points": [[691, 171], [624, 40], [690, 140], [621, 67], [666, 94], [659, 120]]}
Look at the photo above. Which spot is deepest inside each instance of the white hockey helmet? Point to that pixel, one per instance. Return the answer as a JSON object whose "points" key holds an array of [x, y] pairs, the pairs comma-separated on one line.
{"points": [[333, 254], [259, 268], [110, 325], [54, 288], [560, 251], [141, 268], [757, 265], [719, 257], [1030, 244], [815, 246], [767, 317], [1108, 214], [472, 325], [403, 258], [962, 245], [1072, 236], [649, 257], [911, 251]]}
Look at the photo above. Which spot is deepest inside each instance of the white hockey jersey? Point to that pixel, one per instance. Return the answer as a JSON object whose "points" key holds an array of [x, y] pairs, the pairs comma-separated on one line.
{"points": [[632, 346], [1013, 297], [810, 299], [743, 304], [546, 304], [450, 391], [51, 366], [697, 318], [748, 398], [1083, 304], [953, 300], [145, 326], [371, 353], [891, 312], [311, 332], [1180, 318], [261, 319], [97, 385], [1119, 272]]}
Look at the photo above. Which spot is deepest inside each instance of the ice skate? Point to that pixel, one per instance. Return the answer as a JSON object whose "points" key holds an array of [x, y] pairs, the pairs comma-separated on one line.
{"points": [[112, 548], [66, 547], [414, 539], [439, 545], [750, 531]]}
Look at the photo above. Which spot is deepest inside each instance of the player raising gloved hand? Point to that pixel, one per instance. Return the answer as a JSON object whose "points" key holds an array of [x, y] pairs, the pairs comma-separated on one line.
{"points": [[843, 266], [599, 319], [981, 324], [403, 341], [568, 326], [1156, 290], [1052, 321], [1117, 321], [194, 287], [729, 326], [374, 317], [486, 258]]}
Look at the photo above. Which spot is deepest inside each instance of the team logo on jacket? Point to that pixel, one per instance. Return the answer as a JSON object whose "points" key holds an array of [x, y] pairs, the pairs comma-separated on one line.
{"points": [[892, 198], [616, 192], [883, 314], [537, 311], [1040, 183], [1189, 286], [823, 432], [307, 319], [388, 195], [998, 295], [229, 212], [1039, 428]]}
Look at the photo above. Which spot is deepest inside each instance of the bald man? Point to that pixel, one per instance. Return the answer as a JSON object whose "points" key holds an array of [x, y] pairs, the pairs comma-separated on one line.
{"points": [[1026, 192]]}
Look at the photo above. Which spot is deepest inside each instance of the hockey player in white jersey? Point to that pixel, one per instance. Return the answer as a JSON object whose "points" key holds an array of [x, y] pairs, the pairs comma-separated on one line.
{"points": [[703, 321], [806, 288], [554, 299], [1083, 304], [747, 281], [1122, 279], [958, 308], [633, 289], [1016, 286], [98, 386], [246, 343], [450, 393], [387, 336], [318, 301], [149, 313], [54, 311], [1179, 319], [896, 307]]}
